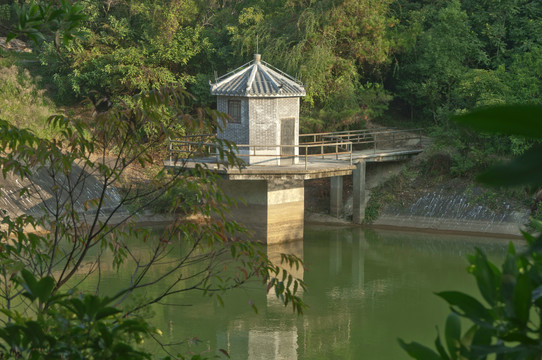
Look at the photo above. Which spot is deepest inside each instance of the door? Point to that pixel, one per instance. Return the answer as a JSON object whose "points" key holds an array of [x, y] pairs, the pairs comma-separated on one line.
{"points": [[287, 137]]}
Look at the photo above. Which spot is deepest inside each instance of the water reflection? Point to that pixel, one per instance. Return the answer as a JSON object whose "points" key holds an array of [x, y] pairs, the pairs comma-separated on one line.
{"points": [[272, 334], [366, 289]]}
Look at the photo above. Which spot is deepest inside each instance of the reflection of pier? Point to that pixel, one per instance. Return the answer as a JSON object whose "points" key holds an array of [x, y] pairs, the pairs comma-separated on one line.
{"points": [[277, 333]]}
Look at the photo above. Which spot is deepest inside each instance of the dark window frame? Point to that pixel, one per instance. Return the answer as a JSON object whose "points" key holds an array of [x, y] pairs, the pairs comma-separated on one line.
{"points": [[234, 111]]}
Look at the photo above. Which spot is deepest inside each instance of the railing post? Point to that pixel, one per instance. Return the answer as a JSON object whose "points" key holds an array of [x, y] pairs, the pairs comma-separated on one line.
{"points": [[322, 151], [306, 152], [351, 149], [336, 151]]}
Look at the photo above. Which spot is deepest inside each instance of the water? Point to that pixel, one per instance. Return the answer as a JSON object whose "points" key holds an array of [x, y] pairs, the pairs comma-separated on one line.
{"points": [[366, 289]]}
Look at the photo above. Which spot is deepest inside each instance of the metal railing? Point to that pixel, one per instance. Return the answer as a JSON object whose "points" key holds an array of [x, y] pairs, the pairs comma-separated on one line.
{"points": [[274, 152], [324, 145], [377, 139], [321, 137], [193, 145], [304, 151]]}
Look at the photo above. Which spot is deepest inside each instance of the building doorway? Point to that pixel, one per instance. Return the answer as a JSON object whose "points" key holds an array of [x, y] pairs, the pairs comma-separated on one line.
{"points": [[287, 137]]}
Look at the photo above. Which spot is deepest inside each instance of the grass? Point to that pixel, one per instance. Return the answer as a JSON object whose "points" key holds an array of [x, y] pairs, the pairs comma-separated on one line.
{"points": [[394, 190], [23, 102]]}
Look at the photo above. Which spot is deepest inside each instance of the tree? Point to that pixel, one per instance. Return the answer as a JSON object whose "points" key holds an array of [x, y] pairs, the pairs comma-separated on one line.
{"points": [[338, 48], [73, 228], [507, 325], [444, 50], [73, 231]]}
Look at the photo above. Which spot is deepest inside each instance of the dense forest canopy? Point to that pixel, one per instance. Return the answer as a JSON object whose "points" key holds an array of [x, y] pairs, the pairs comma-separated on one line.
{"points": [[359, 59]]}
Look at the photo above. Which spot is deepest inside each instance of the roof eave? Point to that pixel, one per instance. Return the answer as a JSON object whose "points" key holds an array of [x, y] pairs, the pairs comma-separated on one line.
{"points": [[258, 95]]}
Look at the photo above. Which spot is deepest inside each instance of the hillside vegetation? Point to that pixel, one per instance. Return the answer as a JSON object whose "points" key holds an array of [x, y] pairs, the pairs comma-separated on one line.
{"points": [[23, 99], [401, 61], [395, 62]]}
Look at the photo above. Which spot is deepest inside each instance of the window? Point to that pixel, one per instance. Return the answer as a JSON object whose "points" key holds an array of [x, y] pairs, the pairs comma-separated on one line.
{"points": [[234, 110]]}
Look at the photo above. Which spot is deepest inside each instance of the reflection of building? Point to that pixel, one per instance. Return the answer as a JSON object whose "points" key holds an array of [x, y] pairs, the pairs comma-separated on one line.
{"points": [[270, 335], [246, 340], [278, 344], [336, 287]]}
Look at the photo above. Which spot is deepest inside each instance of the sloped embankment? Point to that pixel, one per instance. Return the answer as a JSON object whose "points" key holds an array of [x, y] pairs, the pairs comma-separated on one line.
{"points": [[45, 194], [403, 195], [454, 205]]}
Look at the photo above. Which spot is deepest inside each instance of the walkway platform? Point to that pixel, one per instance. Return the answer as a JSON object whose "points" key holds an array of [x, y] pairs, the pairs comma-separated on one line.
{"points": [[316, 167], [272, 196]]}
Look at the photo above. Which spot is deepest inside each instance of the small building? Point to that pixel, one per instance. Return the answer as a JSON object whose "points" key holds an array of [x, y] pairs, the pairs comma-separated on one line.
{"points": [[263, 105]]}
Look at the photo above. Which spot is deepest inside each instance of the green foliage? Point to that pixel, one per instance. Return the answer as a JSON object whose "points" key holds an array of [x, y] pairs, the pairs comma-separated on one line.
{"points": [[130, 47], [62, 167], [462, 54], [37, 20], [434, 59], [70, 326], [5, 12], [498, 119], [335, 47], [23, 102], [508, 324], [74, 233], [469, 152], [438, 60], [390, 192], [504, 326], [525, 168]]}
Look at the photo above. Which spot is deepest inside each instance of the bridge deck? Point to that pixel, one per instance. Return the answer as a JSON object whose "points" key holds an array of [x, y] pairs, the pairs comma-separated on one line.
{"points": [[320, 155], [316, 167]]}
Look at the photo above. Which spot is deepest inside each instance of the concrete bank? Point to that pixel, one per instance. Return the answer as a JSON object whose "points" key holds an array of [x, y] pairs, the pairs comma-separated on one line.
{"points": [[426, 224], [467, 226]]}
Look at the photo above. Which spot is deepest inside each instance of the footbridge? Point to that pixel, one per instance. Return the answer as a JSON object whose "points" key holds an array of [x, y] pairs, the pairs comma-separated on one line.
{"points": [[272, 186], [314, 151]]}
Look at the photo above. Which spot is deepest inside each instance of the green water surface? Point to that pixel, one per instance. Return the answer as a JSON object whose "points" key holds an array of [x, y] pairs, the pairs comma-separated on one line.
{"points": [[366, 288]]}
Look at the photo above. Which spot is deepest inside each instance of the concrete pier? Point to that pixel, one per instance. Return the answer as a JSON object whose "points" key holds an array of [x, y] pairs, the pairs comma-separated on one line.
{"points": [[358, 175], [336, 196], [271, 200], [285, 210], [272, 210]]}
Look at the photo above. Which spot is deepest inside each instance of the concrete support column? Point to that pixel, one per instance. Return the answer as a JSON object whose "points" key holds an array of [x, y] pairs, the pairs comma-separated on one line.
{"points": [[285, 210], [272, 210], [359, 192], [336, 196]]}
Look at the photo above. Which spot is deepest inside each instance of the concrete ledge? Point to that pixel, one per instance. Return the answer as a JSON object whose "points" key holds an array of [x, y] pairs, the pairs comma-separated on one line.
{"points": [[287, 172], [388, 156], [450, 225]]}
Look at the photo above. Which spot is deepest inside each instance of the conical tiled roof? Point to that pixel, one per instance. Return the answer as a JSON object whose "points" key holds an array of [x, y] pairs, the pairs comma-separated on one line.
{"points": [[257, 79]]}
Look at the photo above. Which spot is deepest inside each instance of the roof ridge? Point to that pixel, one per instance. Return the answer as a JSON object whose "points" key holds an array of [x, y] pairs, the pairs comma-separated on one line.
{"points": [[257, 78], [255, 69]]}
